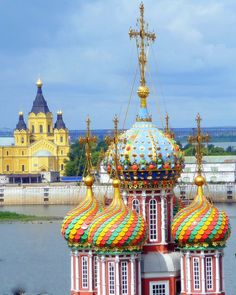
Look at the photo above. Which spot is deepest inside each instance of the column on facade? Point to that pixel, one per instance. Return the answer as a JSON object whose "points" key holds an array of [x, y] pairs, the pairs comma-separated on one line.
{"points": [[132, 260], [103, 275], [117, 274], [171, 214], [76, 271], [182, 273], [144, 204], [98, 276], [139, 277], [217, 260], [163, 225], [90, 265], [72, 271], [203, 275], [188, 273]]}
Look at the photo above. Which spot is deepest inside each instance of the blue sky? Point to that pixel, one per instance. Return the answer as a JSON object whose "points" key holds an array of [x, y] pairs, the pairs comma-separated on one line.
{"points": [[83, 53]]}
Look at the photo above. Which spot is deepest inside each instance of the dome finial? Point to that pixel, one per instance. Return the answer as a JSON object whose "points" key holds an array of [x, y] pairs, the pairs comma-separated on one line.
{"points": [[87, 140], [143, 39], [39, 83]]}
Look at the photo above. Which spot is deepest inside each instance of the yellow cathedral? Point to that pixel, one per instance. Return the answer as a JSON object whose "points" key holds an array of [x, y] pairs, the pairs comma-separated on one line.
{"points": [[39, 146]]}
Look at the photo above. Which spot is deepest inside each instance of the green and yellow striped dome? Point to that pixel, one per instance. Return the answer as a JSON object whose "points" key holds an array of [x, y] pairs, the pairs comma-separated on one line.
{"points": [[117, 228]]}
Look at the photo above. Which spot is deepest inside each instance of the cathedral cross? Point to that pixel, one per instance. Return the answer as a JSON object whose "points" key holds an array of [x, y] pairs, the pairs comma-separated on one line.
{"points": [[87, 141], [115, 141], [143, 38], [199, 138]]}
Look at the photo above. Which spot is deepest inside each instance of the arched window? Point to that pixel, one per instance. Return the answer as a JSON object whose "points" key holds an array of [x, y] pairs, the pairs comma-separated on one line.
{"points": [[41, 128], [7, 153], [62, 152], [22, 140], [49, 129], [136, 205], [8, 168], [84, 272], [23, 168], [152, 220], [33, 129], [62, 166], [124, 278], [111, 278], [22, 153], [61, 139]]}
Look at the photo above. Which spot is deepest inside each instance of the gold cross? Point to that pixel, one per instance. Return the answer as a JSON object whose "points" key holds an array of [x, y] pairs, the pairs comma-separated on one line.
{"points": [[167, 128], [199, 138], [115, 141], [87, 140], [143, 38]]}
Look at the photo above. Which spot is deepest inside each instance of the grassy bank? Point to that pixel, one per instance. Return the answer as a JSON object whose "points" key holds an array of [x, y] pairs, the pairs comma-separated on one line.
{"points": [[12, 216]]}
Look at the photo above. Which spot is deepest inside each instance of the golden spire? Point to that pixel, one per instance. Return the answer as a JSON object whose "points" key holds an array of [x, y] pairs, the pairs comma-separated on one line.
{"points": [[167, 127], [39, 83], [87, 140], [115, 141], [199, 138]]}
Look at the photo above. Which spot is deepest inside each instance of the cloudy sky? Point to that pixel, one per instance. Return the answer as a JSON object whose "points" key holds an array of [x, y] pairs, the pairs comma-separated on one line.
{"points": [[82, 51]]}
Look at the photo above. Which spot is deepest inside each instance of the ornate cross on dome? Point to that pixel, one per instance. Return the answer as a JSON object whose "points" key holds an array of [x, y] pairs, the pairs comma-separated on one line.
{"points": [[143, 38], [87, 140], [199, 138], [115, 141]]}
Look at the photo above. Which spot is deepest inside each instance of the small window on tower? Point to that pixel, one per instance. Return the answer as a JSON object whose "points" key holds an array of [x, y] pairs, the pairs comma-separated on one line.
{"points": [[136, 205], [32, 128], [7, 153], [62, 166], [41, 128], [22, 140], [23, 168], [62, 152], [61, 139], [22, 153], [8, 168]]}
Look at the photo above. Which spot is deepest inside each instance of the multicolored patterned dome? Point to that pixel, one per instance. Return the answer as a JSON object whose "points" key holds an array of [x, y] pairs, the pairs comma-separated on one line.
{"points": [[117, 228], [201, 225], [148, 157], [76, 223]]}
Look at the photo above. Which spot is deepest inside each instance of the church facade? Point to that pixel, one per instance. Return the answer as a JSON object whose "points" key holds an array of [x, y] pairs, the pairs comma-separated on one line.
{"points": [[39, 146]]}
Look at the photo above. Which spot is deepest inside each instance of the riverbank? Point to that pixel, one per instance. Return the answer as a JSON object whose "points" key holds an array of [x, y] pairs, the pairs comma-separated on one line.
{"points": [[7, 216]]}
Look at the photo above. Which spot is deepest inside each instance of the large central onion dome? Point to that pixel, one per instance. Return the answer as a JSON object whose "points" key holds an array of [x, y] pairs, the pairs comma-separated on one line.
{"points": [[148, 157], [76, 223], [117, 228], [201, 225]]}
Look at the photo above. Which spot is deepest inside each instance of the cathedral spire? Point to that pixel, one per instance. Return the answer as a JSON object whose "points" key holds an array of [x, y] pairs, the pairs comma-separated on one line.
{"points": [[143, 39], [39, 104]]}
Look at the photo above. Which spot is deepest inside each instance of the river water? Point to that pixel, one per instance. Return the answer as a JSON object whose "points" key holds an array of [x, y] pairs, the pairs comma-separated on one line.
{"points": [[34, 257]]}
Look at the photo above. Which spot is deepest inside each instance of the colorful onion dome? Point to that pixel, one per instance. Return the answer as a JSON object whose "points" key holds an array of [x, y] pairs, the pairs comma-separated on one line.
{"points": [[117, 228], [76, 223], [147, 156], [201, 225], [178, 204]]}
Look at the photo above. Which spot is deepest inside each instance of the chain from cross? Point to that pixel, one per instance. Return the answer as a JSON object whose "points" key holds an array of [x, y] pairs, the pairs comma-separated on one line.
{"points": [[114, 140], [87, 141], [143, 39], [199, 138]]}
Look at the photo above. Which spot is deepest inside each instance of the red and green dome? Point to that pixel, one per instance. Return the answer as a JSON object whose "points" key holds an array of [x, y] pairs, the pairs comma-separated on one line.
{"points": [[76, 223], [201, 225], [117, 228]]}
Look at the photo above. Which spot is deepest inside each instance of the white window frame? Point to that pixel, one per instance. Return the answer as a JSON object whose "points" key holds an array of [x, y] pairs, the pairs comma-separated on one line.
{"points": [[153, 220], [159, 283], [111, 278], [136, 205], [209, 276], [84, 266], [124, 277], [196, 273]]}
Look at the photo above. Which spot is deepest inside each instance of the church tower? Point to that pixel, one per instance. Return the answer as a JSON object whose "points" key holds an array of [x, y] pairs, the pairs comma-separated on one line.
{"points": [[40, 120], [201, 232], [150, 163], [21, 133]]}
